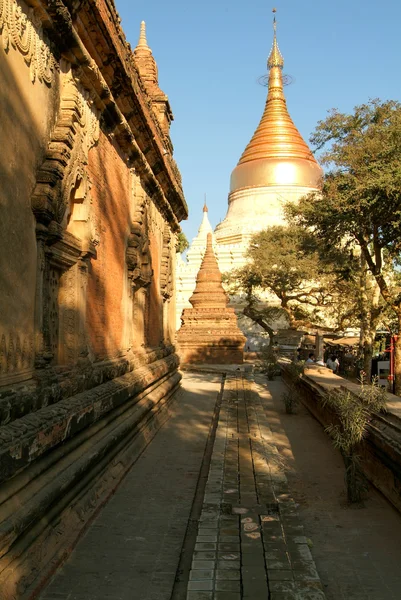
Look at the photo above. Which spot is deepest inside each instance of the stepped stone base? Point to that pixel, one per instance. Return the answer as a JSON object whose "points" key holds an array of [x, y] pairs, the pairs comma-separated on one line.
{"points": [[211, 353], [64, 462], [210, 332]]}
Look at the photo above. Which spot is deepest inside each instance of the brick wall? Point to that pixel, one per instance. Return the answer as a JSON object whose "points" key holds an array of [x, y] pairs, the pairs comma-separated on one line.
{"points": [[155, 325], [110, 195]]}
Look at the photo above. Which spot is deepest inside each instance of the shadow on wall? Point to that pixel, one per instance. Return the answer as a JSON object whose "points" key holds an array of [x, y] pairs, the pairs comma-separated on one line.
{"points": [[101, 321], [22, 150], [111, 196]]}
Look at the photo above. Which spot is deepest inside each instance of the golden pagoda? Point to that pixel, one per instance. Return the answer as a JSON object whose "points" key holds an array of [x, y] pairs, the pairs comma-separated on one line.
{"points": [[276, 166]]}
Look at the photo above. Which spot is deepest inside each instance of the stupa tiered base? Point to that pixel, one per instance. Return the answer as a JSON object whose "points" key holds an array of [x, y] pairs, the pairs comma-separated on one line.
{"points": [[208, 336], [209, 331]]}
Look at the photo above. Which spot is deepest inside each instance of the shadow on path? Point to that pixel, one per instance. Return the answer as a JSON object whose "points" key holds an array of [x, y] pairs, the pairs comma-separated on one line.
{"points": [[357, 550], [132, 550]]}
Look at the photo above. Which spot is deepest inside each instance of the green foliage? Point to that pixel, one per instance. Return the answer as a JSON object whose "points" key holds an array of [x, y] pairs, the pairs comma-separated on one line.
{"points": [[269, 364], [361, 197], [290, 401], [360, 204], [354, 413], [182, 243], [294, 372], [283, 262]]}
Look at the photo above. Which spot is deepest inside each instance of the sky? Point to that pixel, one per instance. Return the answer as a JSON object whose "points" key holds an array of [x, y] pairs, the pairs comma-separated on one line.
{"points": [[210, 55]]}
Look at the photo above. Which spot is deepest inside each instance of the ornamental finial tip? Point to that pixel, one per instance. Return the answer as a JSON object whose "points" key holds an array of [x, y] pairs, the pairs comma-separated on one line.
{"points": [[142, 35], [275, 58]]}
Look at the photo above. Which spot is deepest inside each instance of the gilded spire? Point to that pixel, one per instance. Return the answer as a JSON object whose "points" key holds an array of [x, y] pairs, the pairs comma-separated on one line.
{"points": [[205, 208], [276, 154], [275, 58]]}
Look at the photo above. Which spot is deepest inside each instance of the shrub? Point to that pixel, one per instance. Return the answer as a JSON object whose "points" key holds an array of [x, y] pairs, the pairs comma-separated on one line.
{"points": [[354, 412], [269, 364], [290, 401], [294, 372]]}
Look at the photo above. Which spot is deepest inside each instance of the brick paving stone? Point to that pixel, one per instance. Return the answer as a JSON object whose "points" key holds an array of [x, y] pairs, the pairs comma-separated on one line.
{"points": [[228, 574], [199, 574], [263, 529], [249, 541], [196, 595], [204, 585]]}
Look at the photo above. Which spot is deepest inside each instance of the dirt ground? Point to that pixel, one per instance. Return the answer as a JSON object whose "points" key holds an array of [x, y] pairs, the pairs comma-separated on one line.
{"points": [[357, 550]]}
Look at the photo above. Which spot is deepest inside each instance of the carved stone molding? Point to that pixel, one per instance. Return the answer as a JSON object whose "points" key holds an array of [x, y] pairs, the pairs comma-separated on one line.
{"points": [[64, 166], [166, 270], [23, 31], [16, 356], [66, 230], [138, 253]]}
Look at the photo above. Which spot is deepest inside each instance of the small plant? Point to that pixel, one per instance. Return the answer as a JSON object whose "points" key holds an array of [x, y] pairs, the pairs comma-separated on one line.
{"points": [[294, 372], [269, 364], [290, 401], [354, 412]]}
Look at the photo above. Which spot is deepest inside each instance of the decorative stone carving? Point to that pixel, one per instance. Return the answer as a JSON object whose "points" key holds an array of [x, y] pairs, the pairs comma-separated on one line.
{"points": [[166, 270], [209, 332], [66, 231], [138, 254], [16, 355], [24, 32], [64, 166]]}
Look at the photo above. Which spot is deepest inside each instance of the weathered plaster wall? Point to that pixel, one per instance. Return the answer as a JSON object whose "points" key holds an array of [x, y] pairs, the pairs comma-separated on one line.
{"points": [[28, 106]]}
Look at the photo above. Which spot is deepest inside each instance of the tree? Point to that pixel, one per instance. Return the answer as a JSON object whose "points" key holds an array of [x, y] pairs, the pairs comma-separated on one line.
{"points": [[360, 202], [359, 302], [282, 261], [182, 243]]}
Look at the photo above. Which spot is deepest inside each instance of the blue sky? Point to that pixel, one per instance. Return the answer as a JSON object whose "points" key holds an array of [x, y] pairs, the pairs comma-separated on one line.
{"points": [[210, 55]]}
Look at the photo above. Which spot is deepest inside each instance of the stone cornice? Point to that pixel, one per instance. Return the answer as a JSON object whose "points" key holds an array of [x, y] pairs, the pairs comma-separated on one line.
{"points": [[95, 53]]}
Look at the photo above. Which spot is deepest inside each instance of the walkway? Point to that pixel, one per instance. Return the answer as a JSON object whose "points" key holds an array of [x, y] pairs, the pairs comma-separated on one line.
{"points": [[357, 550], [206, 513], [131, 551]]}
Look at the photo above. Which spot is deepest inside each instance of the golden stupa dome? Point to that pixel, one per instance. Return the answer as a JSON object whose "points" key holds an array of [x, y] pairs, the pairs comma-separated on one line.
{"points": [[276, 154]]}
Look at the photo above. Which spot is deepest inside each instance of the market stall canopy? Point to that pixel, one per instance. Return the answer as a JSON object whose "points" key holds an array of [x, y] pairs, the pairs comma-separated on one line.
{"points": [[344, 341]]}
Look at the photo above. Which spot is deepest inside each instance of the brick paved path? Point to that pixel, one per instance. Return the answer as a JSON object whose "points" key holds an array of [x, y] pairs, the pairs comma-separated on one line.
{"points": [[248, 542], [357, 550]]}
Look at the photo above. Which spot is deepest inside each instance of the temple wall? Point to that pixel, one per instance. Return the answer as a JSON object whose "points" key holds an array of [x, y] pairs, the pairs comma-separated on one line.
{"points": [[28, 101], [155, 324], [89, 209], [107, 294]]}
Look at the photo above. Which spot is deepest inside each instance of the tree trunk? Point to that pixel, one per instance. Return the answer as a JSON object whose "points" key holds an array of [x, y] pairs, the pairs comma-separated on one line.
{"points": [[288, 312], [367, 358], [250, 312], [366, 333], [397, 357], [353, 477]]}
